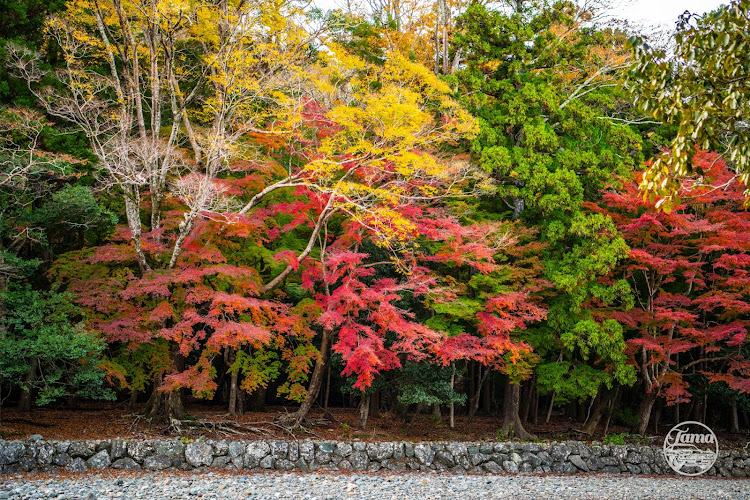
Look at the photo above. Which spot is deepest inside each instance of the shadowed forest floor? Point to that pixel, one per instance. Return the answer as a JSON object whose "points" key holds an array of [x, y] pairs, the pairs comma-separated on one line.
{"points": [[105, 421]]}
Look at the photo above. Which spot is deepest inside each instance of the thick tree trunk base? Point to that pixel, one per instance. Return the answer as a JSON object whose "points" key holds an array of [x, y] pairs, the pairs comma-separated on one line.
{"points": [[512, 426], [162, 407]]}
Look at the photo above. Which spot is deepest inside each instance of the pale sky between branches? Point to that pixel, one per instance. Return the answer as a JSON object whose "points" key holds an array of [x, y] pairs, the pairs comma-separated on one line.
{"points": [[648, 12], [663, 12]]}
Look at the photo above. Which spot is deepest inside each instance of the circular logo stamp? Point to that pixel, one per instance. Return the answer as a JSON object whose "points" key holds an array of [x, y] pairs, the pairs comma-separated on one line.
{"points": [[691, 448]]}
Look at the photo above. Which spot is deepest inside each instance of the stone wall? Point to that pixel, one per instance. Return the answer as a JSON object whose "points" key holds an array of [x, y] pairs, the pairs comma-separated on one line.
{"points": [[485, 457]]}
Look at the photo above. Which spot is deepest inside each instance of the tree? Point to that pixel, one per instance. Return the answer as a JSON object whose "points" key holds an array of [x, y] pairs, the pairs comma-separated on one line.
{"points": [[702, 89], [345, 137], [496, 295], [555, 128], [45, 352], [688, 275], [44, 212]]}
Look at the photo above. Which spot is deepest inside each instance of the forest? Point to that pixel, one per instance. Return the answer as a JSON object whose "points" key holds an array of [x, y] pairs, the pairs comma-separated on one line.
{"points": [[518, 210]]}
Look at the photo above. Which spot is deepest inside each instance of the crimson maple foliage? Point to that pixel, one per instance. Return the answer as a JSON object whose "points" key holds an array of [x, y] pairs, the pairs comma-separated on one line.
{"points": [[688, 272]]}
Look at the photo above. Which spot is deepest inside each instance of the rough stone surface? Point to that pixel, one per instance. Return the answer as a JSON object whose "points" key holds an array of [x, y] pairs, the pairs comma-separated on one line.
{"points": [[386, 484], [578, 462], [424, 453], [307, 450], [126, 463], [139, 450], [83, 449], [76, 465], [255, 452], [505, 457], [199, 454], [11, 452], [100, 460], [118, 449], [157, 462], [236, 448]]}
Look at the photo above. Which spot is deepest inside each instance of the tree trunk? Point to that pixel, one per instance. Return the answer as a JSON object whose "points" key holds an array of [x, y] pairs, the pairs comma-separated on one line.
{"points": [[446, 15], [609, 410], [438, 22], [436, 413], [316, 382], [487, 393], [452, 423], [328, 388], [24, 404], [526, 391], [364, 410], [534, 407], [233, 386], [551, 405], [162, 406], [597, 412], [474, 406], [375, 404], [257, 400], [241, 402], [644, 411], [512, 425], [133, 402], [735, 426], [656, 416], [234, 395]]}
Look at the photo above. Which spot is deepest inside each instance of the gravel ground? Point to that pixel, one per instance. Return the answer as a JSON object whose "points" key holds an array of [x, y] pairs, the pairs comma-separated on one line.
{"points": [[155, 486]]}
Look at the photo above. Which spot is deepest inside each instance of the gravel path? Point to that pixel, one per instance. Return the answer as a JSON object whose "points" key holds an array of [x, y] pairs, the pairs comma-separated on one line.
{"points": [[155, 486]]}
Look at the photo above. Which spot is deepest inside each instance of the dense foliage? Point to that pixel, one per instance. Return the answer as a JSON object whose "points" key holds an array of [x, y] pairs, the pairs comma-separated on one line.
{"points": [[424, 207]]}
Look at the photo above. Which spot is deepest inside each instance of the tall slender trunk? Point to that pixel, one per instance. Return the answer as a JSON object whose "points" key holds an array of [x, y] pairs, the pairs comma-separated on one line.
{"points": [[526, 399], [233, 387], [551, 405], [438, 21], [375, 404], [597, 412], [453, 404], [644, 411], [24, 404], [512, 425], [316, 382], [735, 426], [609, 410], [484, 372], [487, 394], [133, 215], [364, 410], [328, 388], [656, 415], [446, 15]]}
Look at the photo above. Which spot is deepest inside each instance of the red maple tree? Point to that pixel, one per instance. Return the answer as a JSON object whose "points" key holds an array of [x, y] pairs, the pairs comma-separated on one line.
{"points": [[688, 270]]}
